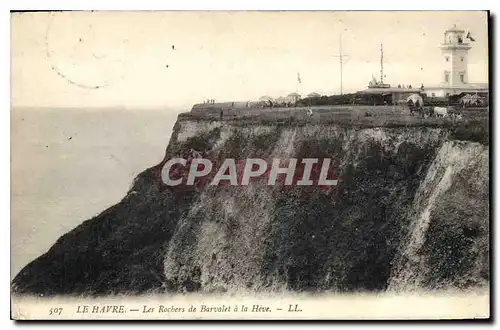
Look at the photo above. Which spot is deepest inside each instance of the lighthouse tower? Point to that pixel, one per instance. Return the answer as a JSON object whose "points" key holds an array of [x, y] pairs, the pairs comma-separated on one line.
{"points": [[455, 50]]}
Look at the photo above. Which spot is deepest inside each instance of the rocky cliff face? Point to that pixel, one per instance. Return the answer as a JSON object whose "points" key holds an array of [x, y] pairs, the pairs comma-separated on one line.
{"points": [[410, 211]]}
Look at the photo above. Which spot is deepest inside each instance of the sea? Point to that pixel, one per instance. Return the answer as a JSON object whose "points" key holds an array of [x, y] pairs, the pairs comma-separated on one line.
{"points": [[68, 165]]}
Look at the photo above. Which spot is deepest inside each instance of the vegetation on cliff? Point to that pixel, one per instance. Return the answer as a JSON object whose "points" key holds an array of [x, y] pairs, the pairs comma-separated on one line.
{"points": [[411, 210]]}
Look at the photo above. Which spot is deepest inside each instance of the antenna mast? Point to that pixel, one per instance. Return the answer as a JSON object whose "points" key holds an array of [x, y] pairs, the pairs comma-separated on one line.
{"points": [[341, 60], [381, 64]]}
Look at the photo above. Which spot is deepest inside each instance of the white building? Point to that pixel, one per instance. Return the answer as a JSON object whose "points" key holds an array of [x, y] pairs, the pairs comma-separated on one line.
{"points": [[455, 51], [455, 76]]}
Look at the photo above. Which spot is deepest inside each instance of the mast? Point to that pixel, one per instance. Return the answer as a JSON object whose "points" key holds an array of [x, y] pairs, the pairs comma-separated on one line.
{"points": [[381, 64], [341, 60], [340, 57]]}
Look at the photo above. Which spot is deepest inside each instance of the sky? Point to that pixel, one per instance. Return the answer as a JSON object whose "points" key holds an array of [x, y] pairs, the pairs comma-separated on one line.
{"points": [[175, 59]]}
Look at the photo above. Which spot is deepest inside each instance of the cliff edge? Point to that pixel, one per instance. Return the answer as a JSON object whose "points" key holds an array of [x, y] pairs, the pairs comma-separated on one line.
{"points": [[410, 211]]}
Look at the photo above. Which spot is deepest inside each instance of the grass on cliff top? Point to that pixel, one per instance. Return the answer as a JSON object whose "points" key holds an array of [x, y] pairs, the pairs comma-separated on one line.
{"points": [[473, 127], [362, 116]]}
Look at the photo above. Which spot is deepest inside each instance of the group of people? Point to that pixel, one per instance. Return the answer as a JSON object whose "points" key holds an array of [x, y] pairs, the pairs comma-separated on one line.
{"points": [[410, 87], [274, 104]]}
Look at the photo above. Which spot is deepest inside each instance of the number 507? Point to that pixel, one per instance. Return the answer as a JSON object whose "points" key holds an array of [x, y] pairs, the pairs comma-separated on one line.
{"points": [[55, 311]]}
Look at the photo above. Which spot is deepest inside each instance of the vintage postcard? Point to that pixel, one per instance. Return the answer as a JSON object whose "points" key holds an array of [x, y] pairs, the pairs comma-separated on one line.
{"points": [[254, 165]]}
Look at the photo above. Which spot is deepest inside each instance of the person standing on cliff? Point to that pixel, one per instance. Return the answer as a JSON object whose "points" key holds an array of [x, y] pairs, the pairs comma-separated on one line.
{"points": [[221, 114]]}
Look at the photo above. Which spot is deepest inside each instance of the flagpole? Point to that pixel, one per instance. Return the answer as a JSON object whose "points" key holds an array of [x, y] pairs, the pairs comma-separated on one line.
{"points": [[298, 83]]}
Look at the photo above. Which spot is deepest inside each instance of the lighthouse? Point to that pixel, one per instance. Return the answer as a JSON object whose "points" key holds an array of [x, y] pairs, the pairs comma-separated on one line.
{"points": [[454, 50], [451, 81]]}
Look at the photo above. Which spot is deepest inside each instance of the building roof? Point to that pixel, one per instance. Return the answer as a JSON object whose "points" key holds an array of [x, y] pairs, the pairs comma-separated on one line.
{"points": [[457, 89], [473, 86], [472, 97], [313, 94], [455, 29], [389, 90]]}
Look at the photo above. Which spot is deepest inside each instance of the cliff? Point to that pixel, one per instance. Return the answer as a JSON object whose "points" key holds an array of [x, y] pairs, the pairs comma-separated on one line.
{"points": [[410, 211]]}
